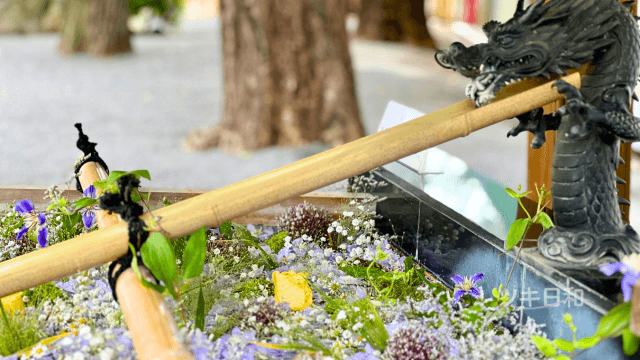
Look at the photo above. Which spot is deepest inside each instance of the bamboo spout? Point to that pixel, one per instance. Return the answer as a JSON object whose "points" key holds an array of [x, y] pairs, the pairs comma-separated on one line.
{"points": [[149, 320], [214, 207]]}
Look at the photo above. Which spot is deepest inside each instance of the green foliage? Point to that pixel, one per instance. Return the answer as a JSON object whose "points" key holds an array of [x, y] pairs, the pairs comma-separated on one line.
{"points": [[245, 236], [253, 288], [612, 324], [42, 293], [159, 258], [110, 184], [519, 228], [200, 314], [19, 331], [630, 342], [167, 8], [193, 258], [276, 242]]}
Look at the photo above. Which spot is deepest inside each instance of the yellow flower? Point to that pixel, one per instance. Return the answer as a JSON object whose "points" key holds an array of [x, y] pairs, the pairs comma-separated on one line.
{"points": [[292, 287]]}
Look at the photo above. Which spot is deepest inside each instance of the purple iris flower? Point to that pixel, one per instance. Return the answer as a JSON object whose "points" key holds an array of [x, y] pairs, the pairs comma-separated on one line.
{"points": [[631, 274], [88, 213], [32, 220], [466, 286]]}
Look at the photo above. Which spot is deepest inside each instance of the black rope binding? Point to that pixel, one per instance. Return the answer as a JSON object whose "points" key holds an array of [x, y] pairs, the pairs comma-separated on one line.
{"points": [[130, 212], [90, 154]]}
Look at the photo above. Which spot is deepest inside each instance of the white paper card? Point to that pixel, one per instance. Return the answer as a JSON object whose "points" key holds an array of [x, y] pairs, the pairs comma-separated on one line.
{"points": [[396, 114]]}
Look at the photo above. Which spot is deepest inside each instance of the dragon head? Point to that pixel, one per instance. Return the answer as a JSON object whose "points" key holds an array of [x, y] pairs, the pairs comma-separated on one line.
{"points": [[538, 41]]}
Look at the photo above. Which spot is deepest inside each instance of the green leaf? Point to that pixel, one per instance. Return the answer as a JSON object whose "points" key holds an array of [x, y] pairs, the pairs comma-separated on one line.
{"points": [[511, 193], [158, 257], [612, 324], [543, 219], [516, 232], [266, 256], [564, 345], [136, 270], [630, 342], [242, 232], [194, 254], [115, 175], [226, 229], [496, 293], [141, 173], [374, 331], [514, 194], [84, 202], [200, 310], [588, 342], [408, 263], [568, 319], [361, 272], [545, 346], [100, 184], [562, 357]]}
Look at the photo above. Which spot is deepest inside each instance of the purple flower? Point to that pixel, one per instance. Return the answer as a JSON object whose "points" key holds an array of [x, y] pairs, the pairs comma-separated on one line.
{"points": [[631, 274], [32, 220], [466, 286], [88, 213]]}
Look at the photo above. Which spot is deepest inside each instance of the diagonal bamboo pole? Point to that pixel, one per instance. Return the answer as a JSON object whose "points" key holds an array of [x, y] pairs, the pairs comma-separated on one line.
{"points": [[214, 207], [148, 318]]}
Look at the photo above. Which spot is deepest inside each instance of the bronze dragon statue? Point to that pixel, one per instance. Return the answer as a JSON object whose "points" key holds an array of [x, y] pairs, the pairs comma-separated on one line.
{"points": [[548, 38]]}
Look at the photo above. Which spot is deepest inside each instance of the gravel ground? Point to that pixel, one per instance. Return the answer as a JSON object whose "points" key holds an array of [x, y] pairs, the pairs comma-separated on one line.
{"points": [[139, 107]]}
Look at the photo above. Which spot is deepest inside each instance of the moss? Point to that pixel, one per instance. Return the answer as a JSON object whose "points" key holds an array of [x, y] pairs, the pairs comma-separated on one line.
{"points": [[42, 293], [251, 289], [276, 243]]}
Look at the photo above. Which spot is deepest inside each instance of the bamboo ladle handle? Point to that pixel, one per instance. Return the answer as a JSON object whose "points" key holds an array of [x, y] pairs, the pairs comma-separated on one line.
{"points": [[148, 318], [259, 192]]}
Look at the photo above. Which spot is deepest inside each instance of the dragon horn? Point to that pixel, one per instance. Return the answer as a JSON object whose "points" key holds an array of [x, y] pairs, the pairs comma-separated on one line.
{"points": [[519, 8], [530, 10]]}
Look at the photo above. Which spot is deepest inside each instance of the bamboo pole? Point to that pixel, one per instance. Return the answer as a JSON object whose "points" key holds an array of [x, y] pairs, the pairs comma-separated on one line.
{"points": [[148, 318], [214, 207]]}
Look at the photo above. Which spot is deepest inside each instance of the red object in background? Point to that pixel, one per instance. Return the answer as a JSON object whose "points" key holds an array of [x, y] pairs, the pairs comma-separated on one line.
{"points": [[470, 14]]}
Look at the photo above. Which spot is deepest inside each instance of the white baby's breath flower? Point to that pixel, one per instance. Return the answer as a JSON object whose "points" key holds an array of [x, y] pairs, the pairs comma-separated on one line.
{"points": [[341, 315], [347, 213], [355, 222], [330, 229], [107, 354], [216, 251], [344, 232]]}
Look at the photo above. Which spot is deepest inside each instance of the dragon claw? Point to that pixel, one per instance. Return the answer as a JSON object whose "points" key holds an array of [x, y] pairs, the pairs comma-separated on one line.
{"points": [[567, 89], [534, 123]]}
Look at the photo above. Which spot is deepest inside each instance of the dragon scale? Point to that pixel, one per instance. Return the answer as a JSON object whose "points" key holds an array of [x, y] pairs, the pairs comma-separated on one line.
{"points": [[548, 38]]}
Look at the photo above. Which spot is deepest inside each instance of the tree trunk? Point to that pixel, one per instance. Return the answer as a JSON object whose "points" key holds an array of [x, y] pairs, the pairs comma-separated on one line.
{"points": [[389, 20], [287, 75], [98, 27]]}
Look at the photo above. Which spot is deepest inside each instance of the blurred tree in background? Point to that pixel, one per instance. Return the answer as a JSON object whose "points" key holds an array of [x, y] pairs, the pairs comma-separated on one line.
{"points": [[287, 76], [28, 16], [393, 20], [98, 27]]}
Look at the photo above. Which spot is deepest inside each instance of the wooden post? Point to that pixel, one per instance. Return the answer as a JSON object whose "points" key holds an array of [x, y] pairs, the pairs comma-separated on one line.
{"points": [[211, 209], [150, 322]]}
